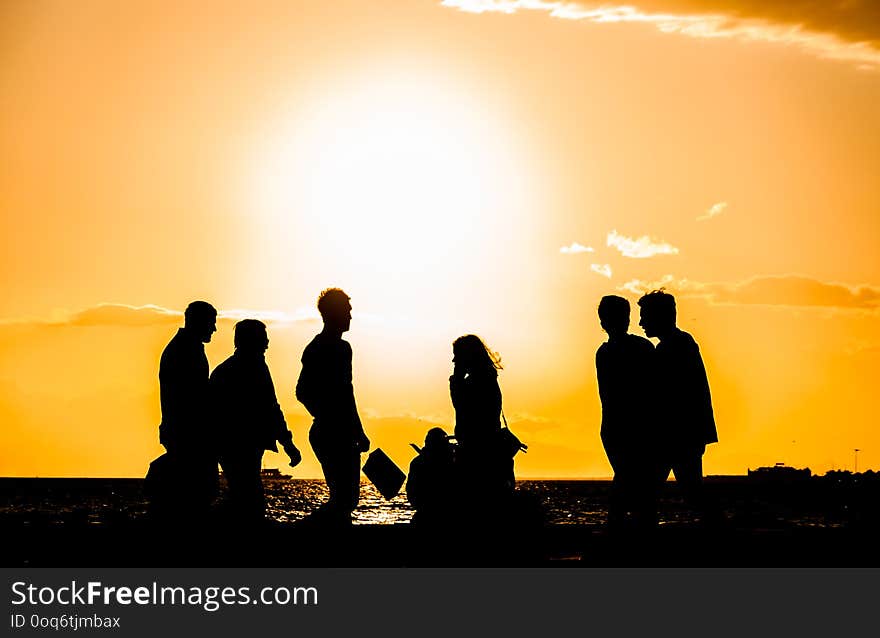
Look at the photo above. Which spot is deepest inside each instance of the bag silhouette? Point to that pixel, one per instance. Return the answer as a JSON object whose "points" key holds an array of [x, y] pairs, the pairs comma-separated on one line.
{"points": [[384, 474]]}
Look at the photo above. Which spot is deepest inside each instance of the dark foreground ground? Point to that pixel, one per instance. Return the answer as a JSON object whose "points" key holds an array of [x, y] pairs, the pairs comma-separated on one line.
{"points": [[402, 545], [831, 521]]}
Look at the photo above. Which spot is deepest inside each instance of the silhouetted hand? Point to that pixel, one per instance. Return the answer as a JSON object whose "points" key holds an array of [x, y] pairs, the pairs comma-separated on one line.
{"points": [[363, 443], [294, 454]]}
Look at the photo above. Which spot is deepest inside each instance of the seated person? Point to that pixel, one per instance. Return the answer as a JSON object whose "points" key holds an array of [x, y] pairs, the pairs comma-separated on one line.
{"points": [[430, 486]]}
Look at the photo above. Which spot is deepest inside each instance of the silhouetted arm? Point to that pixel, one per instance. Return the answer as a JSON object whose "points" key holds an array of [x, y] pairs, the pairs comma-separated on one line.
{"points": [[363, 443], [307, 385], [602, 376], [703, 399], [412, 484]]}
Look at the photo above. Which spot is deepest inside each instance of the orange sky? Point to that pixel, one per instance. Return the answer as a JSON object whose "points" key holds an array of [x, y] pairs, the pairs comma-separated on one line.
{"points": [[434, 159]]}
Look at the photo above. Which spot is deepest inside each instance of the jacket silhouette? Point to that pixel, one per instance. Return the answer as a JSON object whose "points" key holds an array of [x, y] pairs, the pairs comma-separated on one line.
{"points": [[183, 393], [248, 420], [189, 477], [684, 407], [684, 387]]}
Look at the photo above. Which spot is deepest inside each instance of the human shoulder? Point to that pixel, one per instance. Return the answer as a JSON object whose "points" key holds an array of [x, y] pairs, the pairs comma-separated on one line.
{"points": [[224, 369], [635, 341], [313, 348], [686, 342], [603, 352]]}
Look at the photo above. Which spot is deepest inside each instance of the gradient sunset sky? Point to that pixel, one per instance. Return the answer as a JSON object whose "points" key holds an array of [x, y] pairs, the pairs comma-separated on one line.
{"points": [[462, 166]]}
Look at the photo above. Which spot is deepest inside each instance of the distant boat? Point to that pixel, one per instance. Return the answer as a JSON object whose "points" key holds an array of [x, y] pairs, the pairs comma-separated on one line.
{"points": [[273, 473]]}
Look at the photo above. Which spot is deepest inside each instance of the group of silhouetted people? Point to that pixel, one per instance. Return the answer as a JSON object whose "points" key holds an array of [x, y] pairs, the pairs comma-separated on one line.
{"points": [[656, 410], [656, 417], [232, 416]]}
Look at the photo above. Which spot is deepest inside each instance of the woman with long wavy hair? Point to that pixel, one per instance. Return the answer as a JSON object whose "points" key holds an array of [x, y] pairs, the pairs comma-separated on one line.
{"points": [[484, 468]]}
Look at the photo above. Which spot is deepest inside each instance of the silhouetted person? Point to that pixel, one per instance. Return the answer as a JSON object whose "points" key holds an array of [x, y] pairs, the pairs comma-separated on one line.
{"points": [[624, 369], [431, 484], [485, 467], [185, 430], [687, 423], [248, 420], [325, 389]]}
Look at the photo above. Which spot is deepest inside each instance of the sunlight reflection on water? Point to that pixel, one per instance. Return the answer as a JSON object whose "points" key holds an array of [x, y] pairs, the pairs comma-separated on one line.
{"points": [[293, 500]]}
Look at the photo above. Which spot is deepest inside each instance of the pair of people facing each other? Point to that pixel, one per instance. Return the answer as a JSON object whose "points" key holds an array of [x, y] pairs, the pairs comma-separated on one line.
{"points": [[657, 412]]}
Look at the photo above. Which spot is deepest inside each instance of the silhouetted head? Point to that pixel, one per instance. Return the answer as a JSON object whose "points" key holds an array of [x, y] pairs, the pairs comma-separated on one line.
{"points": [[335, 308], [614, 315], [470, 354], [200, 318], [251, 336], [436, 438], [657, 316]]}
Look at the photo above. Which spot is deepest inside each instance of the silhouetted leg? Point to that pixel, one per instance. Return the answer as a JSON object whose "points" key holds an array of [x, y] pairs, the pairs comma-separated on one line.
{"points": [[688, 470], [342, 473], [247, 502], [616, 508], [645, 489]]}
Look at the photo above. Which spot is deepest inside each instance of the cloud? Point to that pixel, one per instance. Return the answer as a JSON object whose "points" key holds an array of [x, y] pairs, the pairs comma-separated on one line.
{"points": [[640, 248], [773, 290], [847, 30], [575, 249], [714, 211], [119, 315], [114, 314], [601, 269]]}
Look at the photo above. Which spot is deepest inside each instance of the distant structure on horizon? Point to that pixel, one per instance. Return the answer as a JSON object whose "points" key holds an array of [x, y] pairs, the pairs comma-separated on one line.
{"points": [[269, 473], [780, 472], [273, 473]]}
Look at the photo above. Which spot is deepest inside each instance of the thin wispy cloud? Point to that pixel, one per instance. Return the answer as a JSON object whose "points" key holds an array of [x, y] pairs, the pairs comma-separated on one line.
{"points": [[120, 315], [771, 290], [601, 269], [714, 211], [640, 247], [847, 31], [575, 249]]}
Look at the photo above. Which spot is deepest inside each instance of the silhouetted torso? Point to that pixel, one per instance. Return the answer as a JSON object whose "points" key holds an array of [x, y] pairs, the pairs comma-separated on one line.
{"points": [[245, 405], [249, 421], [689, 421], [484, 466], [625, 372], [477, 402], [325, 388], [183, 393], [430, 486]]}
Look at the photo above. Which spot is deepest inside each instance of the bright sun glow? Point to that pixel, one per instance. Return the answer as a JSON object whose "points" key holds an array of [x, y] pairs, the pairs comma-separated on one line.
{"points": [[393, 180]]}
